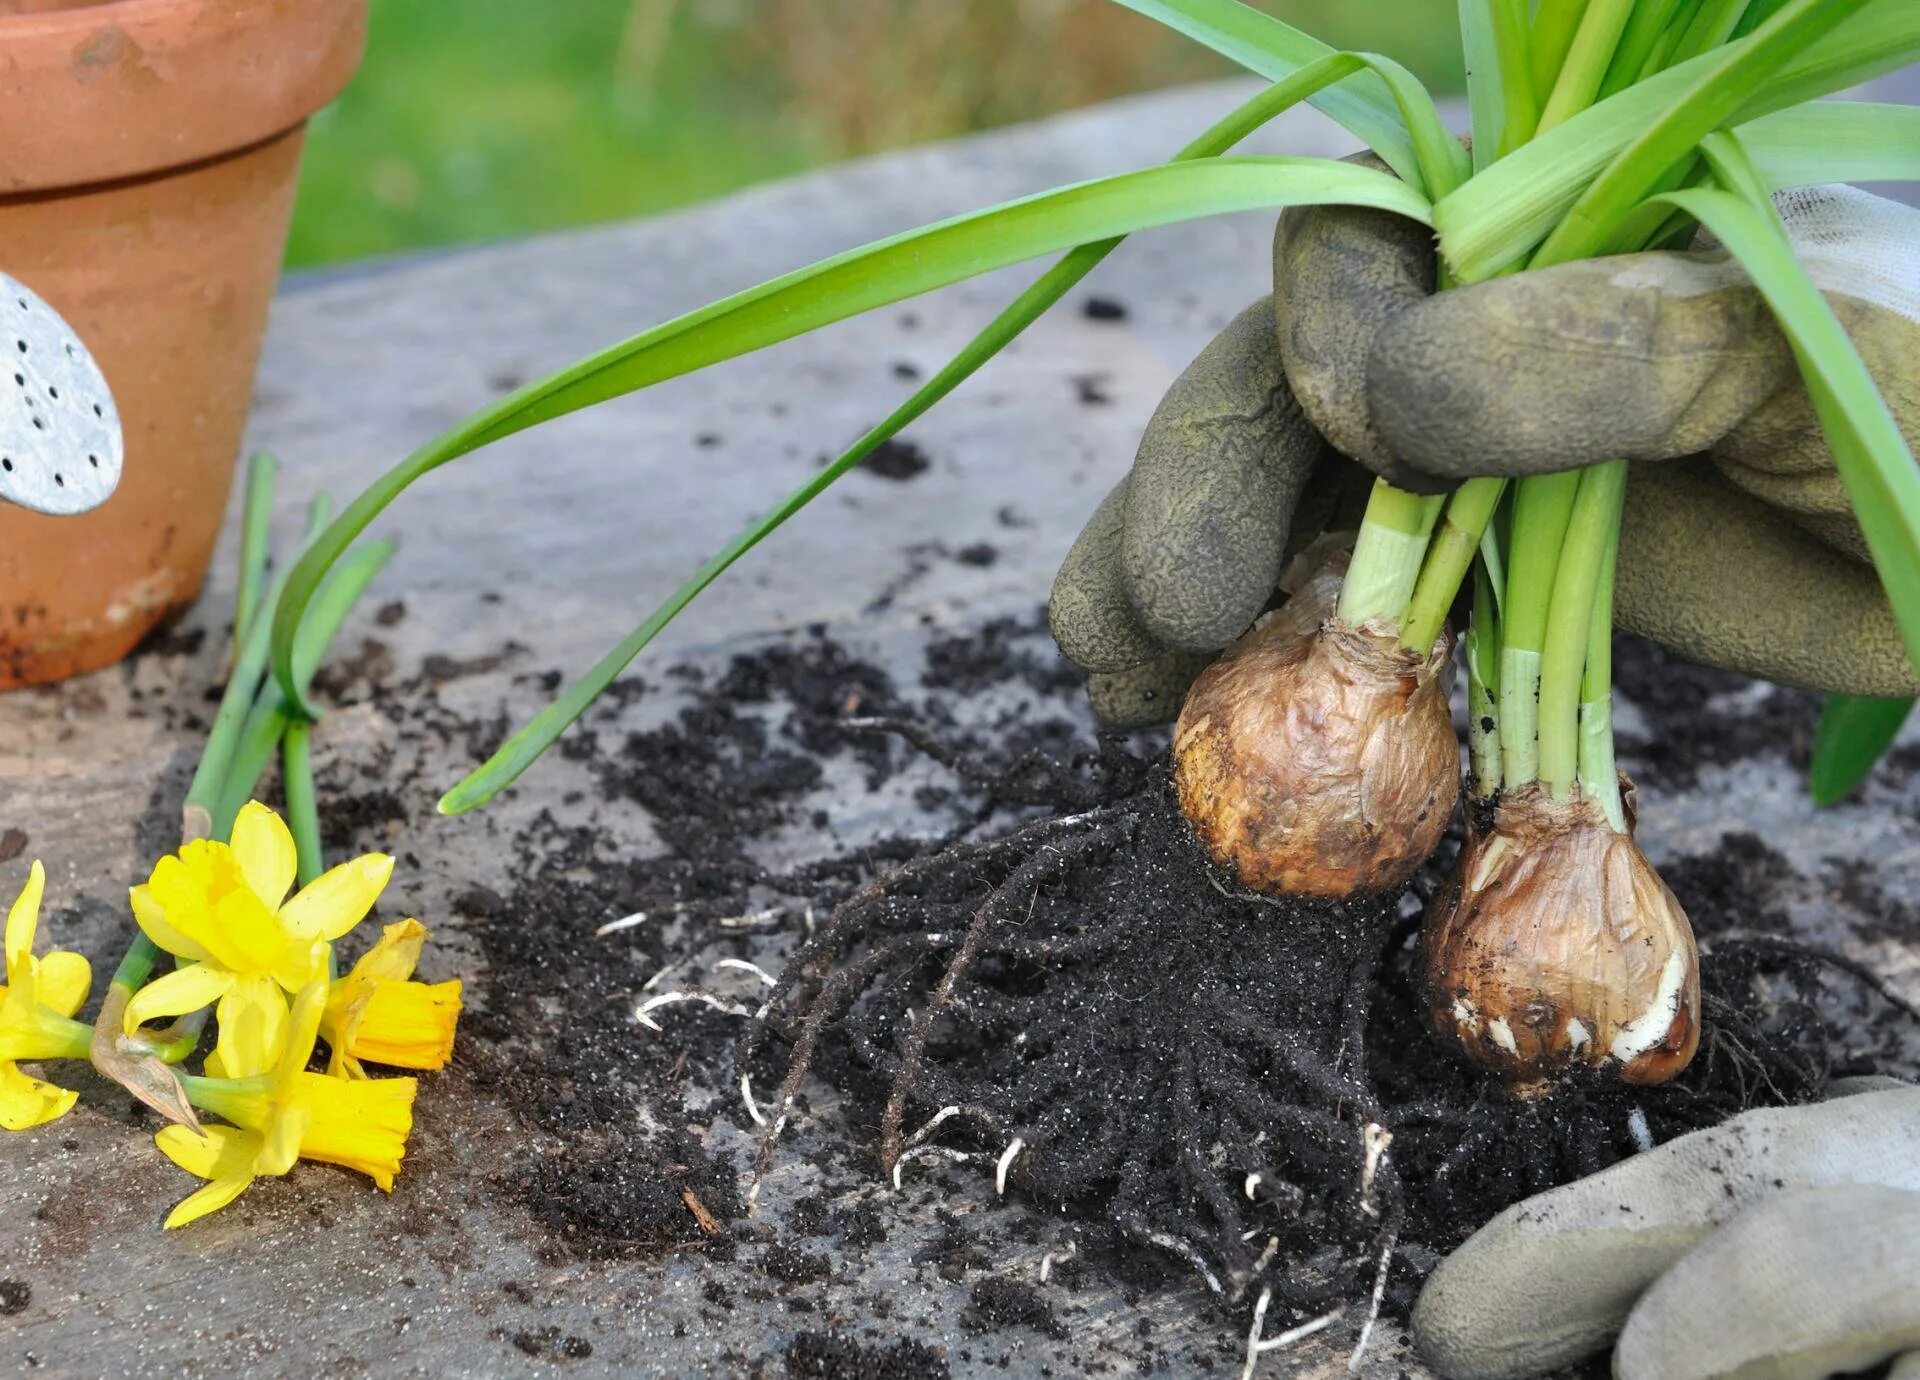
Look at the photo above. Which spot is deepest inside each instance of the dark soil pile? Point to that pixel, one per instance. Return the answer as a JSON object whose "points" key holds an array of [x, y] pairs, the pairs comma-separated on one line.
{"points": [[1183, 1067]]}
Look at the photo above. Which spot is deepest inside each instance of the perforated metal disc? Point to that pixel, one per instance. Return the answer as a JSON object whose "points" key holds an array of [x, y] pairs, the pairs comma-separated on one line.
{"points": [[60, 444]]}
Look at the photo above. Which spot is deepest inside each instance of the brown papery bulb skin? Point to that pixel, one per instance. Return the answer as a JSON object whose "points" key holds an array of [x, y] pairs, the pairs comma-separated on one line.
{"points": [[1556, 946], [1316, 758]]}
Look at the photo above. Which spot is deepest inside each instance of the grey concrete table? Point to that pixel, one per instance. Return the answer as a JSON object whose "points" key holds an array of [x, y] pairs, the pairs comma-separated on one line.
{"points": [[559, 539]]}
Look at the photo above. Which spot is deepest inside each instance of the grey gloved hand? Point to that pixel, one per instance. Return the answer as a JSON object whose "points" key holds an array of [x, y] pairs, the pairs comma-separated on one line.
{"points": [[1186, 551], [1783, 1243], [1744, 556]]}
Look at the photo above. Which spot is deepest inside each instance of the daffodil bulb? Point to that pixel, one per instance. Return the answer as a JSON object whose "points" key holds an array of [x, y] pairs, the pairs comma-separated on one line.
{"points": [[1556, 947], [1318, 758]]}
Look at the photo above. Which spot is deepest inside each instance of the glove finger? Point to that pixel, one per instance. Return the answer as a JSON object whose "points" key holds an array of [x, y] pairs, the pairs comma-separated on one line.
{"points": [[1552, 1279], [1213, 490], [1089, 614], [1804, 1285], [1719, 577], [1340, 275], [1148, 694], [1641, 356]]}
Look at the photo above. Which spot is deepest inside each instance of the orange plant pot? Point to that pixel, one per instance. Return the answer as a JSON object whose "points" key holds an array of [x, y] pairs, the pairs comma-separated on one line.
{"points": [[147, 173]]}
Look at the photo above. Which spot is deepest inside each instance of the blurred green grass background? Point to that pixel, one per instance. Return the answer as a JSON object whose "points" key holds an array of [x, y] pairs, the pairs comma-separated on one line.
{"points": [[478, 119]]}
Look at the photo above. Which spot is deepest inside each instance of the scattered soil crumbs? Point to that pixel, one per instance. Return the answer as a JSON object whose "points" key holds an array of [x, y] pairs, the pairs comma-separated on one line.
{"points": [[829, 1356], [1060, 966], [1690, 726], [898, 459]]}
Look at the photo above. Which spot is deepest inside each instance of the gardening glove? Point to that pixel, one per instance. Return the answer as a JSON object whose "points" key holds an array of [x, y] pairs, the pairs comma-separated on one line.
{"points": [[60, 442], [1750, 558], [1782, 1243], [1185, 552]]}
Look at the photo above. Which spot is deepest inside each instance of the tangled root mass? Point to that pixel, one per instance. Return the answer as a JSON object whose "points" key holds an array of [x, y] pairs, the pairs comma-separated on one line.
{"points": [[1241, 1083]]}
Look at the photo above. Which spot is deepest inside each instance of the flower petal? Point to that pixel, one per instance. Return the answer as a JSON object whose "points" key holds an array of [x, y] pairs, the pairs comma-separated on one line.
{"points": [[63, 981], [221, 1152], [22, 916], [245, 936], [336, 901], [304, 1025], [264, 849], [212, 1198], [253, 1029], [406, 1024], [282, 1146], [151, 911], [26, 1102], [183, 990], [394, 958], [362, 1124]]}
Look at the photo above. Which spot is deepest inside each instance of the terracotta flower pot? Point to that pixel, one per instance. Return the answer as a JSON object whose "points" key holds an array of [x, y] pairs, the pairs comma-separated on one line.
{"points": [[146, 179]]}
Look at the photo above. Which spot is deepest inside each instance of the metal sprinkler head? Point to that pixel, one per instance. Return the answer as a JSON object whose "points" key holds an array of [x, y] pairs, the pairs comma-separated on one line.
{"points": [[60, 442]]}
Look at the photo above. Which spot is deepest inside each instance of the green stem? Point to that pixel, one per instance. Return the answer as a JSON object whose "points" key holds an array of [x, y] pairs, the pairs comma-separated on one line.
{"points": [[1587, 61], [1650, 20], [303, 817], [256, 523], [205, 794], [1483, 685], [1387, 554], [1554, 25], [1469, 509], [1590, 531], [1599, 778], [1542, 505]]}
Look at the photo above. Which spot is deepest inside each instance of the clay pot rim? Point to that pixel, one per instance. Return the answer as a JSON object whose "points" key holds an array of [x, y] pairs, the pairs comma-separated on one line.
{"points": [[113, 89]]}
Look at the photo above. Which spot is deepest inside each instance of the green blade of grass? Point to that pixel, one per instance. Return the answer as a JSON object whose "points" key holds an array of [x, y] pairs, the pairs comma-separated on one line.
{"points": [[1836, 141], [1734, 75], [1486, 84], [1499, 216], [1875, 464], [1275, 50], [1854, 733]]}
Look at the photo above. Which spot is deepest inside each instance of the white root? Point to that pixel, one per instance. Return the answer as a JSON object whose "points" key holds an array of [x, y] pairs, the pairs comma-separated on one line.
{"points": [[1007, 1157], [944, 1152], [1373, 1305], [746, 1096], [642, 1012], [625, 922], [1258, 1346], [1190, 1255], [1051, 1258], [1637, 1128], [744, 966], [1378, 1138]]}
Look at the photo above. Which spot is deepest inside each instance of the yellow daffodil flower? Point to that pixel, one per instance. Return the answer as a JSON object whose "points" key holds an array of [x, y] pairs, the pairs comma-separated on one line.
{"points": [[224, 908], [377, 1012], [36, 1007], [283, 1113]]}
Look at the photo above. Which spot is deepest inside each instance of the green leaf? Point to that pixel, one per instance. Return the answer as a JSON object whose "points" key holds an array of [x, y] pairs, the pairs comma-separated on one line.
{"points": [[1649, 21], [1836, 141], [1734, 75], [1554, 24], [1855, 732], [1499, 91], [860, 280], [1275, 50], [1494, 220], [1878, 470]]}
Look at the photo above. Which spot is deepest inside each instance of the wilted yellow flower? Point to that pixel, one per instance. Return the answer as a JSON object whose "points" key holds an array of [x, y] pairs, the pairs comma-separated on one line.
{"points": [[376, 1012], [286, 1114], [224, 907], [36, 1005]]}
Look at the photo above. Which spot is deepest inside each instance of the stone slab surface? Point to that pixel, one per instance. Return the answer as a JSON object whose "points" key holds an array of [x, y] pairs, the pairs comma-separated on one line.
{"points": [[559, 539]]}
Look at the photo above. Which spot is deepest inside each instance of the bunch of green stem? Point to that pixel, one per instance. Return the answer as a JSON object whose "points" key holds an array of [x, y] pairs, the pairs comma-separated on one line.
{"points": [[255, 722], [1538, 642]]}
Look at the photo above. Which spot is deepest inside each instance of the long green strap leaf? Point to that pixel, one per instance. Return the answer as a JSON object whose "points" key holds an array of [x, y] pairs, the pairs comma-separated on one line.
{"points": [[1480, 41], [1498, 217], [1836, 141], [521, 750], [1734, 75], [1878, 469], [848, 284], [1275, 50], [1855, 732]]}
